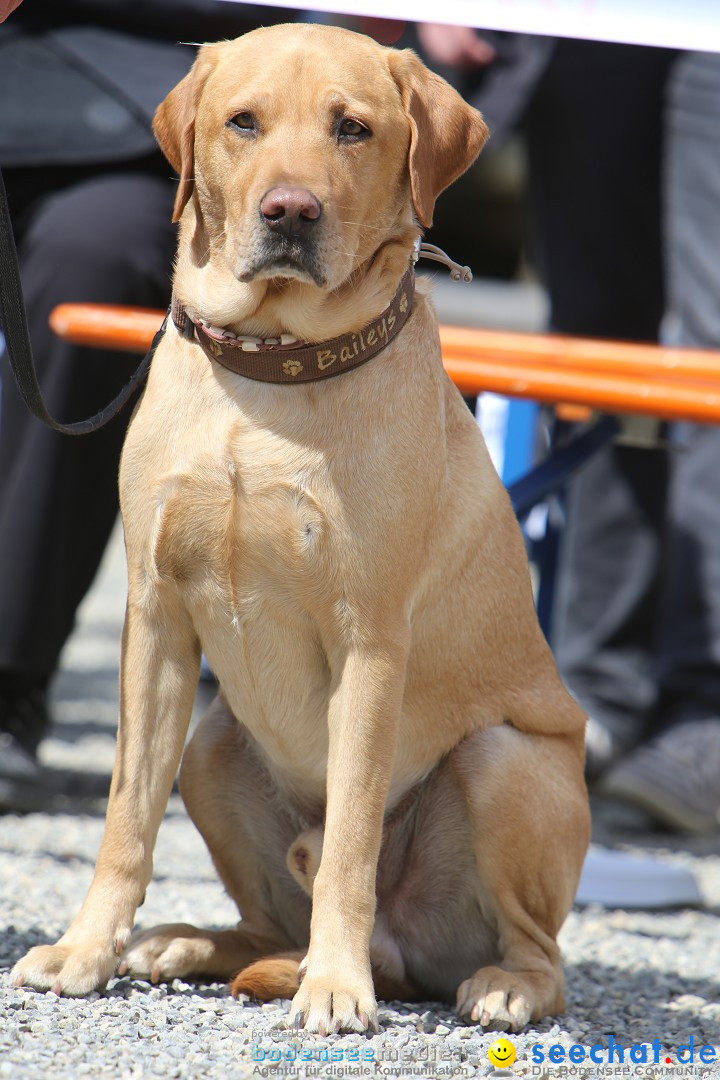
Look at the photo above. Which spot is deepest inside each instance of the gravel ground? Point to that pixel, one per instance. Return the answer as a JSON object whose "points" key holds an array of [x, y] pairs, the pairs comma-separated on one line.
{"points": [[637, 976]]}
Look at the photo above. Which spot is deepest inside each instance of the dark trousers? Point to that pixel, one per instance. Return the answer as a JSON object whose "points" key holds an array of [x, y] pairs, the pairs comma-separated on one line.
{"points": [[688, 642], [99, 235], [637, 613]]}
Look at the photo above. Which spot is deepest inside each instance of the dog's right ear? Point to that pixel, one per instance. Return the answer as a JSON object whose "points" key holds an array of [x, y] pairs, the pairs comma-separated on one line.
{"points": [[174, 125]]}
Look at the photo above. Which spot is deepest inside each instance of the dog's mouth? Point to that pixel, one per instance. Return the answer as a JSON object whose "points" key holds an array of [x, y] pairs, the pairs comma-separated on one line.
{"points": [[284, 256]]}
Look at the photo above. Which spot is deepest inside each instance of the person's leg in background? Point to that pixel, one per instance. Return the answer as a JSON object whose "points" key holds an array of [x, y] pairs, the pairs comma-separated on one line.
{"points": [[594, 133], [104, 238], [676, 776]]}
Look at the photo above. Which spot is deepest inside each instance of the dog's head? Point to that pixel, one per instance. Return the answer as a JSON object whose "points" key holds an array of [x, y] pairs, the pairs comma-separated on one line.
{"points": [[304, 150]]}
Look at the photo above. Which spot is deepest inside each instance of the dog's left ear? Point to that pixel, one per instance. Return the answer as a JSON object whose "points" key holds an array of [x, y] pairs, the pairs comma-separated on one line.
{"points": [[446, 134], [174, 125]]}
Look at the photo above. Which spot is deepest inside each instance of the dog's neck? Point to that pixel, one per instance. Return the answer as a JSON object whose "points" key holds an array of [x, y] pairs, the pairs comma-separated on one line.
{"points": [[283, 359]]}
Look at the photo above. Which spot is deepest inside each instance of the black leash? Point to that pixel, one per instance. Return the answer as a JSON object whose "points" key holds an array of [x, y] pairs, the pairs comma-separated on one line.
{"points": [[13, 321]]}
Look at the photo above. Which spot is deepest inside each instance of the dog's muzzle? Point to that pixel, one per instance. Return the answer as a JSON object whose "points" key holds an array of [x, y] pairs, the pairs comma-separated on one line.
{"points": [[288, 237]]}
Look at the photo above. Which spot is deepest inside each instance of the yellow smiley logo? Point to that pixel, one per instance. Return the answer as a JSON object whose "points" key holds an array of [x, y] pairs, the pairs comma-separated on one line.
{"points": [[501, 1052]]}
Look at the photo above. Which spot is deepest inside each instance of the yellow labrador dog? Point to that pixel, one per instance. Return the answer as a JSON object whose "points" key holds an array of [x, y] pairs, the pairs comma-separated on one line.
{"points": [[308, 500]]}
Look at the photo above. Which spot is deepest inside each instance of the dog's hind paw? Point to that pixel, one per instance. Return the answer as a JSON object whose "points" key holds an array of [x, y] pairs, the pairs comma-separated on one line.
{"points": [[504, 1000], [174, 950]]}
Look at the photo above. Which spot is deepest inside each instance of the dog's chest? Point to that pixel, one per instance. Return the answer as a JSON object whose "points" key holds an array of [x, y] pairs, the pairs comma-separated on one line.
{"points": [[249, 550], [228, 533]]}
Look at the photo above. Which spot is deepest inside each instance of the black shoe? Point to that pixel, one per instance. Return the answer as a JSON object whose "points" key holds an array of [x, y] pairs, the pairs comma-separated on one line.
{"points": [[676, 777], [24, 721]]}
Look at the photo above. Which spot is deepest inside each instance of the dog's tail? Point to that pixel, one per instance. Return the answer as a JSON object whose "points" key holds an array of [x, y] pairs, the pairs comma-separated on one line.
{"points": [[272, 977], [277, 977]]}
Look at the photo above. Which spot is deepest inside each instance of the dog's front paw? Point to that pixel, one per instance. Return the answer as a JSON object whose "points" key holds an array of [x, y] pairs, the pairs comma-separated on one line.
{"points": [[497, 999], [331, 1004], [166, 952], [73, 970]]}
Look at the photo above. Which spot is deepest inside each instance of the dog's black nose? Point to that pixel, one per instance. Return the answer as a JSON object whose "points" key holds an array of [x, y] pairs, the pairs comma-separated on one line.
{"points": [[291, 211]]}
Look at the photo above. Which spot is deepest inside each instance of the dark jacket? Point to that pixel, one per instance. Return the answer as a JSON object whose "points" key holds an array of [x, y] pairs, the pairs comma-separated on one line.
{"points": [[81, 79]]}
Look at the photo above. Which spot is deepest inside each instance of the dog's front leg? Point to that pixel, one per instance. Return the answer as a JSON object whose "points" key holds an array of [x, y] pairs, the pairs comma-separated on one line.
{"points": [[158, 679], [336, 992]]}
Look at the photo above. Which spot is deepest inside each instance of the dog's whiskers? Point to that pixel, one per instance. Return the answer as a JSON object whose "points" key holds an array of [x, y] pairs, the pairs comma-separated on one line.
{"points": [[363, 225]]}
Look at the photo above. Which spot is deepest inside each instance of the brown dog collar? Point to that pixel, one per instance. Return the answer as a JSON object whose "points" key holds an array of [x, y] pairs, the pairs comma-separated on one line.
{"points": [[279, 360]]}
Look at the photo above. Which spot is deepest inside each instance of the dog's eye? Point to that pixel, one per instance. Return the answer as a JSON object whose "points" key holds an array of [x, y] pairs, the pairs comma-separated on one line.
{"points": [[244, 121], [352, 129]]}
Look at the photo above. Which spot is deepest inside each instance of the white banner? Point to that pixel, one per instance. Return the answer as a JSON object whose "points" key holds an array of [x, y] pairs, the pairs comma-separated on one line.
{"points": [[679, 24]]}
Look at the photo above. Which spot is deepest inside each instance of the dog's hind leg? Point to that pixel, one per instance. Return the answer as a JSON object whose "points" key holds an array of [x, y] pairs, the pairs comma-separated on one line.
{"points": [[180, 950], [530, 823]]}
